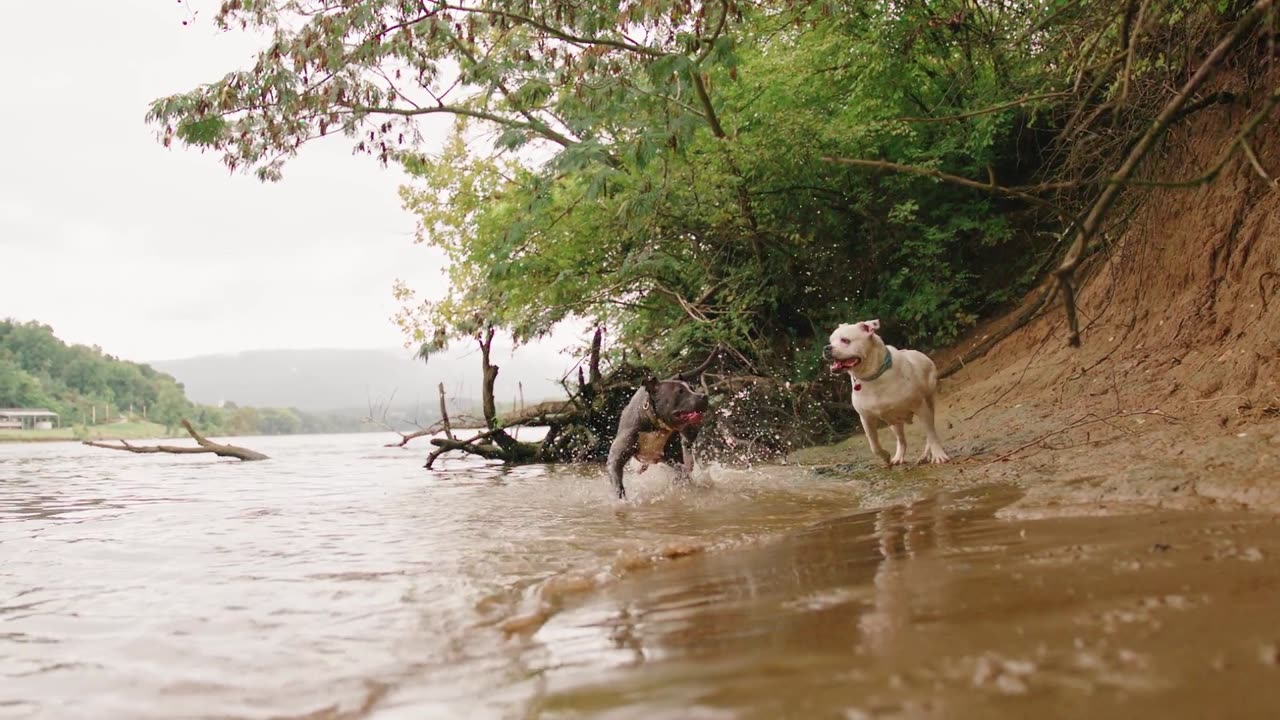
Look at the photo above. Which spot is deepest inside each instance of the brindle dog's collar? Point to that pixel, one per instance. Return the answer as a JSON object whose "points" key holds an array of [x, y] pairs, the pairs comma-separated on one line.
{"points": [[653, 416]]}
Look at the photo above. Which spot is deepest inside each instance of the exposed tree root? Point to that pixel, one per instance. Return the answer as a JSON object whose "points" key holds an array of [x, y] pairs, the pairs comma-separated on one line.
{"points": [[1089, 419]]}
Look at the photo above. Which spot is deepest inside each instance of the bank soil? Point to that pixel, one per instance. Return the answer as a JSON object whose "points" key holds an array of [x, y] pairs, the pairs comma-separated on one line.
{"points": [[1172, 402]]}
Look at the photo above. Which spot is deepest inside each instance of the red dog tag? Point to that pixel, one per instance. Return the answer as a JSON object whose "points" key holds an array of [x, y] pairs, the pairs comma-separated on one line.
{"points": [[857, 386]]}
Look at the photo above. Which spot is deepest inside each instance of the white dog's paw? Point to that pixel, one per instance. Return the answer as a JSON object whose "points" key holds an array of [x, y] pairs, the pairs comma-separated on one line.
{"points": [[934, 456], [897, 459]]}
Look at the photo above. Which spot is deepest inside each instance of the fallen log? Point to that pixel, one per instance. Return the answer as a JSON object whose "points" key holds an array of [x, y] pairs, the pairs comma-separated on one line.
{"points": [[203, 445], [484, 445], [540, 414]]}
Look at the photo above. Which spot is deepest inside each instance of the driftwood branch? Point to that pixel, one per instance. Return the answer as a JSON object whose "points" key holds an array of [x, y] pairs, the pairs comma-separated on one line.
{"points": [[203, 445], [442, 425], [405, 438], [477, 446]]}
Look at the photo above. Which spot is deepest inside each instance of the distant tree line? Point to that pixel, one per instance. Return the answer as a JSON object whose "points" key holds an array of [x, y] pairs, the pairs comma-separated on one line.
{"points": [[86, 385]]}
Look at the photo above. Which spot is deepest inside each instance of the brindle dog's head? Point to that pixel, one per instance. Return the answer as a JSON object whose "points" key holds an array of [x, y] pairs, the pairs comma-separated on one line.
{"points": [[675, 402]]}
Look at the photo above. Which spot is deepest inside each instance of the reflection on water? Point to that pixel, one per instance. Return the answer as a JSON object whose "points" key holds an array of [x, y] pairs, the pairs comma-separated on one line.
{"points": [[341, 580]]}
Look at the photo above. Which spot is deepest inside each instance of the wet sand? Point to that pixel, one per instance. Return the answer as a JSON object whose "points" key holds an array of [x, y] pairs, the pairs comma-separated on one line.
{"points": [[936, 608]]}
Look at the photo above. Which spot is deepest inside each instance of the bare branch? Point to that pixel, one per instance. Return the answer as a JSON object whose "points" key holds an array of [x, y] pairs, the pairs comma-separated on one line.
{"points": [[559, 34], [204, 445], [1091, 223], [988, 110], [948, 177]]}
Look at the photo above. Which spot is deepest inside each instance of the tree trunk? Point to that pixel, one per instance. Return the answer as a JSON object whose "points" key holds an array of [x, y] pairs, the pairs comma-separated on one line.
{"points": [[490, 377], [594, 365], [444, 414], [496, 431]]}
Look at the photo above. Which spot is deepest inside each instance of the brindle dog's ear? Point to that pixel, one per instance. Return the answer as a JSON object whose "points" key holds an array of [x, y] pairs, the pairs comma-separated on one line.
{"points": [[650, 384]]}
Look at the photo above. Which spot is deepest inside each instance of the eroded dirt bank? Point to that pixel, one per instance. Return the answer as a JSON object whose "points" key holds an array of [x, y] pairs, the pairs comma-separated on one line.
{"points": [[1173, 401]]}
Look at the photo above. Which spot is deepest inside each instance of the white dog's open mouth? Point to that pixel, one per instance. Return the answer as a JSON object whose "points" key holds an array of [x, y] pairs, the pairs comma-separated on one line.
{"points": [[846, 364]]}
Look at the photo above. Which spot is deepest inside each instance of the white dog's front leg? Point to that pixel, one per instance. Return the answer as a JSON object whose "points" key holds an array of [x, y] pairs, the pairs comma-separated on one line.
{"points": [[871, 427], [933, 451], [900, 453]]}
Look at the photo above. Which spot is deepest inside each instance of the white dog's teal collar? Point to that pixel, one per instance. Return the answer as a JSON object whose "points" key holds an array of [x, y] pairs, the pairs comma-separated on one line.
{"points": [[884, 367]]}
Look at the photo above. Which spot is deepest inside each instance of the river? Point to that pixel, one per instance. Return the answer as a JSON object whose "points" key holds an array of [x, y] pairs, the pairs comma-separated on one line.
{"points": [[340, 579]]}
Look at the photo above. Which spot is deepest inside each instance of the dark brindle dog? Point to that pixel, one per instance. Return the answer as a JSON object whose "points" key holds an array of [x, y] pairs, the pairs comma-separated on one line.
{"points": [[658, 410]]}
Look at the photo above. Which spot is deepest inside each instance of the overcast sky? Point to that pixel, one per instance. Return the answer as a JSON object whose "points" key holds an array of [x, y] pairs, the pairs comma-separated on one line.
{"points": [[157, 254]]}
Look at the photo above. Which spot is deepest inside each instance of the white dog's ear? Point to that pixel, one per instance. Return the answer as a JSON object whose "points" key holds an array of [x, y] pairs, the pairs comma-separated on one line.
{"points": [[871, 326]]}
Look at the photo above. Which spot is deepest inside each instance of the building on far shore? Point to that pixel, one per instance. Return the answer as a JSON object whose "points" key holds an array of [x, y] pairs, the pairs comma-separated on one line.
{"points": [[28, 419]]}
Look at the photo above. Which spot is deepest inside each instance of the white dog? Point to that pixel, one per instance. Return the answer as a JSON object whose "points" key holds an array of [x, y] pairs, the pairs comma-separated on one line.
{"points": [[889, 386]]}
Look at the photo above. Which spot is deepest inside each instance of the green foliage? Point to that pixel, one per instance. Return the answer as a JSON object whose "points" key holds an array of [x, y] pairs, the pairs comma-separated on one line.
{"points": [[19, 388], [659, 166], [39, 370], [204, 131], [276, 421]]}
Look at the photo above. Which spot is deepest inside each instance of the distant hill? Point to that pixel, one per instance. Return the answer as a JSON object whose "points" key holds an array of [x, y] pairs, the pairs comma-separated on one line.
{"points": [[351, 380], [80, 383]]}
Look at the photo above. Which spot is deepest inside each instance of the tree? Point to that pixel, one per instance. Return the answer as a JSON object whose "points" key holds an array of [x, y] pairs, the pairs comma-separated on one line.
{"points": [[655, 166], [72, 377], [242, 421], [698, 174], [211, 419], [277, 421], [18, 388], [170, 407]]}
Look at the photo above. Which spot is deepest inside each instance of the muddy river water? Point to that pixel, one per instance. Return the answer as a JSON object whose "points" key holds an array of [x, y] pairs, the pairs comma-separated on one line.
{"points": [[341, 580]]}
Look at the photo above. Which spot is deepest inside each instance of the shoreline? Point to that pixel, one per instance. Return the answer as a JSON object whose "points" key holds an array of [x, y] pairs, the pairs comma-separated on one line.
{"points": [[6, 439], [1132, 464]]}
